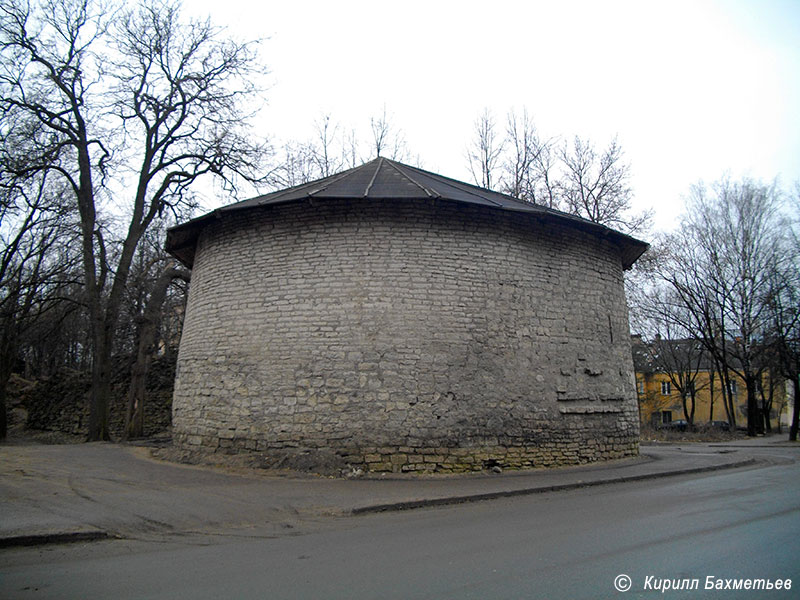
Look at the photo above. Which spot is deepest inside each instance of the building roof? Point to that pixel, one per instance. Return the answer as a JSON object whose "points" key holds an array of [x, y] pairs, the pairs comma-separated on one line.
{"points": [[662, 355], [388, 180]]}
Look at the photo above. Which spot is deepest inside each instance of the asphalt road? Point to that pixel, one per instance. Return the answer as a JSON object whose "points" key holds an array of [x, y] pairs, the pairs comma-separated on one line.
{"points": [[735, 525]]}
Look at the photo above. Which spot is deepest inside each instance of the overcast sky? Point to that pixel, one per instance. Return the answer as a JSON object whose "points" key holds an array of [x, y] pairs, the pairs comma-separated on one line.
{"points": [[690, 89]]}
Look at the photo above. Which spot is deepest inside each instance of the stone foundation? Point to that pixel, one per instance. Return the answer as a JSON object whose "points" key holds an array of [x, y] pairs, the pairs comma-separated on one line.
{"points": [[407, 459]]}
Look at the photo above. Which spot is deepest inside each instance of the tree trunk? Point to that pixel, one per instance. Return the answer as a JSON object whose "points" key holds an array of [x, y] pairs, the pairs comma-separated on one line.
{"points": [[134, 415], [711, 396], [753, 427], [3, 408], [6, 360], [688, 413], [100, 397], [795, 410], [727, 397], [766, 406]]}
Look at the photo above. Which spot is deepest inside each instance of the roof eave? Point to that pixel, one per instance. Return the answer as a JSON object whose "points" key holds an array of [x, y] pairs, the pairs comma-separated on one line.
{"points": [[181, 239]]}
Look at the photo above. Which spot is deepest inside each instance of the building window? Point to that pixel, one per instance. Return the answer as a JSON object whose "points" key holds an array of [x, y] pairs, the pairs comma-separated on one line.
{"points": [[666, 388], [733, 388], [640, 386], [660, 417]]}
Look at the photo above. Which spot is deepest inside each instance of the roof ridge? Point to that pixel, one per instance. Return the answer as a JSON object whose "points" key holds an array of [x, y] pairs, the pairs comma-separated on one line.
{"points": [[379, 160], [333, 179], [396, 166], [463, 186]]}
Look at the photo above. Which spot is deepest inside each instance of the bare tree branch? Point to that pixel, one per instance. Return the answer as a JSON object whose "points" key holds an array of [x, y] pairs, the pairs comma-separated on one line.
{"points": [[122, 98]]}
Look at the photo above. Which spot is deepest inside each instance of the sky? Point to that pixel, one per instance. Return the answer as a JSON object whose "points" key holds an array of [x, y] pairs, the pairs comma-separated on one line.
{"points": [[692, 90]]}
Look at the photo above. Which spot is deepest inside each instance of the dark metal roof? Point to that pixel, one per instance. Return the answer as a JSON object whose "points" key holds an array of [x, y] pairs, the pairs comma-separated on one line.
{"points": [[661, 355], [384, 179]]}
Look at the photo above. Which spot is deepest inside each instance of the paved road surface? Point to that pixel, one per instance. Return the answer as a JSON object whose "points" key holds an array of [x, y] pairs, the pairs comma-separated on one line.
{"points": [[742, 523]]}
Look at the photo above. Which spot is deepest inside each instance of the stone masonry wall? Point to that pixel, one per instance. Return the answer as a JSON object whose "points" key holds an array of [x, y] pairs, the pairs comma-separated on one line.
{"points": [[404, 337]]}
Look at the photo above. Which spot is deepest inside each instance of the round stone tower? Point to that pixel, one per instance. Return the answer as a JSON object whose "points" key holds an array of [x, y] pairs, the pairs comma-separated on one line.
{"points": [[396, 320]]}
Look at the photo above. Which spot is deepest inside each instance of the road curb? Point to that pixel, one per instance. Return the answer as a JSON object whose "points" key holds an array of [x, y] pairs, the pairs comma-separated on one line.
{"points": [[483, 491], [431, 502], [64, 537]]}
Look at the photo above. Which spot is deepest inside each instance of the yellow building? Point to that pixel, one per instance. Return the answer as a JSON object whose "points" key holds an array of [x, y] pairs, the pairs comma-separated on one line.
{"points": [[660, 399]]}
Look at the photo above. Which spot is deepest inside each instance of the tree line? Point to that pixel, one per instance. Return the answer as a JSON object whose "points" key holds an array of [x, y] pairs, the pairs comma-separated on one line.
{"points": [[573, 176], [112, 113], [721, 294], [109, 114]]}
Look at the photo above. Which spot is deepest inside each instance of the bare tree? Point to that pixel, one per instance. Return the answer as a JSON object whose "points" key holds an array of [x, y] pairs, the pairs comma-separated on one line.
{"points": [[351, 151], [673, 349], [36, 263], [517, 169], [323, 152], [387, 140], [113, 86], [295, 166], [146, 346], [721, 265], [485, 152], [530, 169], [684, 267], [595, 185], [574, 178], [545, 180], [784, 313]]}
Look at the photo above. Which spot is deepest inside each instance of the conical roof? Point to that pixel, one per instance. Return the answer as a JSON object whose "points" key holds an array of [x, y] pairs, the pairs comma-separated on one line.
{"points": [[384, 179], [388, 180]]}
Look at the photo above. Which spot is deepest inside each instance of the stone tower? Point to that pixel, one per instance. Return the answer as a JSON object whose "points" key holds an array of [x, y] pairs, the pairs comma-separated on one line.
{"points": [[394, 319]]}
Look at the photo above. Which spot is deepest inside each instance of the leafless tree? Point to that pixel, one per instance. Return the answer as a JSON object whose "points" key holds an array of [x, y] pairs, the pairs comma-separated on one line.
{"points": [[784, 311], [528, 167], [295, 165], [324, 153], [131, 106], [351, 150], [485, 152], [686, 270], [36, 264], [387, 140], [574, 178], [149, 320], [517, 169], [672, 348], [721, 267], [595, 185]]}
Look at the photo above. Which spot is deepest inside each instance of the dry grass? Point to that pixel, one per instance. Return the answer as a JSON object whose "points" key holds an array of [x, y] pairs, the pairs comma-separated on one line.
{"points": [[700, 434]]}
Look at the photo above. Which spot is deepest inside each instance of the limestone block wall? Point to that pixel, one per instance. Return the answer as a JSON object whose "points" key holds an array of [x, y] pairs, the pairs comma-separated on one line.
{"points": [[406, 336]]}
